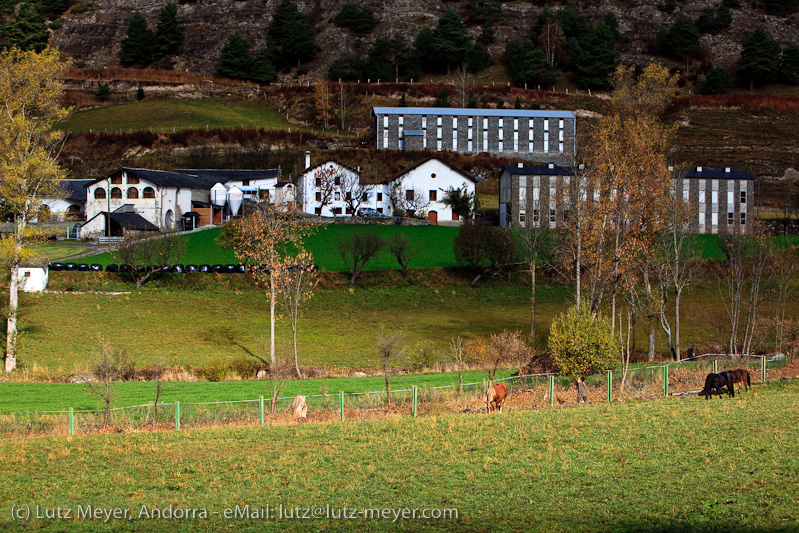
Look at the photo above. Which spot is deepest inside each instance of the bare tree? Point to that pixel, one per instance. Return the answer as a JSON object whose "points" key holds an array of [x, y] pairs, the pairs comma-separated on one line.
{"points": [[388, 348], [533, 241], [403, 249], [483, 248], [410, 201], [675, 255], [551, 41], [146, 253], [358, 248], [463, 84], [456, 349], [108, 366], [784, 266], [740, 278], [327, 181], [296, 279], [355, 193]]}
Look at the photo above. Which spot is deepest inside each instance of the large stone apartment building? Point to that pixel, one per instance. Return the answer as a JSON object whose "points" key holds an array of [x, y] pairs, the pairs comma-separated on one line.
{"points": [[721, 200], [525, 134]]}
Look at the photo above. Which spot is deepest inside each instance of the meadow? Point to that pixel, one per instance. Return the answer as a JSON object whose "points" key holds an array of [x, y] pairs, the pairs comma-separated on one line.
{"points": [[171, 115], [664, 465]]}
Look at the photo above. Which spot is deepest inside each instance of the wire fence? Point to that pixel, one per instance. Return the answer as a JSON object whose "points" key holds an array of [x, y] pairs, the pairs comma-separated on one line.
{"points": [[546, 389]]}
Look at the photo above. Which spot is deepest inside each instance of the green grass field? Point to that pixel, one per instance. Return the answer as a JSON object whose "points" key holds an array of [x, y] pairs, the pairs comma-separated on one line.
{"points": [[677, 464], [166, 115], [435, 243]]}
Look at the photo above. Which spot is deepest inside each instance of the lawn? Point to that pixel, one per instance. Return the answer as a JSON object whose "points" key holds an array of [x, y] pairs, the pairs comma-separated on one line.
{"points": [[169, 115], [435, 247], [672, 464]]}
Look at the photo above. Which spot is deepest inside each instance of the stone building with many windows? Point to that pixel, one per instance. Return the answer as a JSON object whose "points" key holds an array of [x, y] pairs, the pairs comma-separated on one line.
{"points": [[720, 200], [526, 134]]}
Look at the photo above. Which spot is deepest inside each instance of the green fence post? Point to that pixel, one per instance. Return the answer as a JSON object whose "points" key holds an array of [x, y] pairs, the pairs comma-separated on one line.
{"points": [[414, 401], [177, 416], [551, 391], [341, 403], [666, 380], [610, 385], [71, 422], [763, 369], [715, 366], [261, 408]]}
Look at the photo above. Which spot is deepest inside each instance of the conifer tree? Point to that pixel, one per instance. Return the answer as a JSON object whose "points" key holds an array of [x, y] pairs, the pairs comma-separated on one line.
{"points": [[169, 31], [292, 34], [236, 61], [27, 30], [138, 46], [760, 59]]}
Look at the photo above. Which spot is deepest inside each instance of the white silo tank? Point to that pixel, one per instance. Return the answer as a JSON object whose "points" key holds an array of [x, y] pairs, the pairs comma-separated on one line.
{"points": [[234, 198], [218, 195]]}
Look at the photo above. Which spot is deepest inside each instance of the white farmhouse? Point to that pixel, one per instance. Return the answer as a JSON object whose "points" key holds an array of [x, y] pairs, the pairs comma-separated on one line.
{"points": [[421, 187], [332, 189]]}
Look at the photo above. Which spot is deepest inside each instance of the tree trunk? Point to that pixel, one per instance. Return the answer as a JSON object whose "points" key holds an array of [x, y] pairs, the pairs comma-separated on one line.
{"points": [[296, 356], [272, 317], [11, 335], [678, 353], [650, 354], [532, 301]]}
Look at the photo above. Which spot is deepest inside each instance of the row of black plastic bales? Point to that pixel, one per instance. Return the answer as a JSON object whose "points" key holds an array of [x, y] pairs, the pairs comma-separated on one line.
{"points": [[175, 269]]}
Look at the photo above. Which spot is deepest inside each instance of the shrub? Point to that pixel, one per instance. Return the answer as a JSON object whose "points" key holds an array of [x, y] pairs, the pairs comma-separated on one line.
{"points": [[581, 343], [218, 369], [424, 355]]}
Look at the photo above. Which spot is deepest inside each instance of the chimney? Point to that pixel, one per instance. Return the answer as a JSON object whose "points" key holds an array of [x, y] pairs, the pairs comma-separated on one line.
{"points": [[552, 165], [699, 169], [727, 170], [520, 164], [671, 168], [307, 160]]}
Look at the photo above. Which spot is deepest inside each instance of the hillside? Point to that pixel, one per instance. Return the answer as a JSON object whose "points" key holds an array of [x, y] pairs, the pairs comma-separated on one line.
{"points": [[92, 36]]}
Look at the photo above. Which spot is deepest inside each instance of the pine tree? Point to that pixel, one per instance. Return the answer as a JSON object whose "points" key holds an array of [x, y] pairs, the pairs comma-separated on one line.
{"points": [[360, 20], [759, 61], [236, 61], [442, 99], [597, 58], [718, 81], [137, 48], [263, 69], [452, 42], [103, 92], [27, 30], [292, 33], [169, 31], [681, 40], [789, 65]]}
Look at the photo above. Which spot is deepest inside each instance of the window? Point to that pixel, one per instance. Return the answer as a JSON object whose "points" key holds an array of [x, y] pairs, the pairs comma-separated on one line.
{"points": [[743, 218], [379, 209], [133, 193], [701, 197], [348, 195], [536, 216], [317, 211], [337, 196], [337, 211], [714, 219], [380, 197], [714, 197], [701, 219], [365, 197], [245, 183], [149, 192], [730, 219], [116, 180], [116, 193], [133, 180], [433, 196], [318, 182], [99, 193], [337, 181], [730, 197], [348, 211], [743, 197], [409, 195], [552, 216], [318, 196], [433, 175], [521, 216]]}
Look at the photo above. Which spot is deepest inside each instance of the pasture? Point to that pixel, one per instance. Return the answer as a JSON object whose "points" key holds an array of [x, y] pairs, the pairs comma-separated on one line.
{"points": [[169, 115], [664, 465]]}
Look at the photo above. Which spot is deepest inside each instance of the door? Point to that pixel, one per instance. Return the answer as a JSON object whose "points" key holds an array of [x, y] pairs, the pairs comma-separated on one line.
{"points": [[432, 216]]}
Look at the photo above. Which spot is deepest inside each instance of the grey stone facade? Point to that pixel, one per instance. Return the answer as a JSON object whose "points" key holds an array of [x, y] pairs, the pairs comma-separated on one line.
{"points": [[721, 200], [524, 134]]}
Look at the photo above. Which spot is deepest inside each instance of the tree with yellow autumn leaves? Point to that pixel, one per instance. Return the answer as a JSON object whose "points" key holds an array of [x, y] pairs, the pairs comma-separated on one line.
{"points": [[30, 92]]}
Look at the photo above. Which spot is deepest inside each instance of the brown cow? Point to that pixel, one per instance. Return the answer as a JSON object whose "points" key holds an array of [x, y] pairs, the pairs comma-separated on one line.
{"points": [[495, 396]]}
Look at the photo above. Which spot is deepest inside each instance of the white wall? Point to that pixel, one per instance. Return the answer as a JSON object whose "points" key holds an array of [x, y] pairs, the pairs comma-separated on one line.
{"points": [[422, 178], [307, 191]]}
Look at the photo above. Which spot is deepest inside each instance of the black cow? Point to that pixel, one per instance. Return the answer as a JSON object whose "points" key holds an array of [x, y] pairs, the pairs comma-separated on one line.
{"points": [[717, 382]]}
